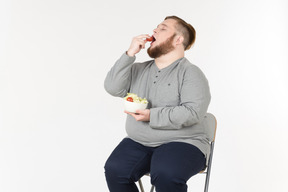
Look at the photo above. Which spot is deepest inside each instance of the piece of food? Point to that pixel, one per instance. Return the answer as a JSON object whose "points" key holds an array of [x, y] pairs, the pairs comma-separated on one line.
{"points": [[149, 38], [129, 99], [135, 98]]}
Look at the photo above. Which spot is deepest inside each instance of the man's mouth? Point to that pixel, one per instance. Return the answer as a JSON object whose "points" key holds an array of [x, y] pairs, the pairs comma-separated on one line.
{"points": [[153, 39]]}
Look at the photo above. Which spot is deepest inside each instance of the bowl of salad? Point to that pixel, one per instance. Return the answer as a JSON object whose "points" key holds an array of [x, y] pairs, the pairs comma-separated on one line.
{"points": [[132, 103]]}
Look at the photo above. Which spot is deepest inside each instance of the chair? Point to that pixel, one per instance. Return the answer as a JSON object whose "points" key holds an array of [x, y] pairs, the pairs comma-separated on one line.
{"points": [[210, 123]]}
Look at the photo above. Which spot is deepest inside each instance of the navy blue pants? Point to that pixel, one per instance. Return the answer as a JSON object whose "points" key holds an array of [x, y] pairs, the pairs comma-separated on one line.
{"points": [[170, 166]]}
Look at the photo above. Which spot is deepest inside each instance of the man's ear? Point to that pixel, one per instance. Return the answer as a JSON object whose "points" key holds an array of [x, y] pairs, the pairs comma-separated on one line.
{"points": [[179, 40]]}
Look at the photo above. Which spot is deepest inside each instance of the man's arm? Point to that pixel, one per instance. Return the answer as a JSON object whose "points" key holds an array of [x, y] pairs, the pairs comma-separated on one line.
{"points": [[194, 97], [118, 79]]}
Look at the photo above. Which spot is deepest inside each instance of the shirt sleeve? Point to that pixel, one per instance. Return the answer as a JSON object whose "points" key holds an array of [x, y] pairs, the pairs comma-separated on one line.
{"points": [[194, 101], [117, 81]]}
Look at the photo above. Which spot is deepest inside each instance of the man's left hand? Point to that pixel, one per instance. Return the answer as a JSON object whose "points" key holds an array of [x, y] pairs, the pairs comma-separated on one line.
{"points": [[140, 115]]}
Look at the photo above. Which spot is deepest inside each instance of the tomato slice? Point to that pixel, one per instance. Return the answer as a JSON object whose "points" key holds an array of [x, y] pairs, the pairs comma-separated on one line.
{"points": [[149, 39], [130, 99]]}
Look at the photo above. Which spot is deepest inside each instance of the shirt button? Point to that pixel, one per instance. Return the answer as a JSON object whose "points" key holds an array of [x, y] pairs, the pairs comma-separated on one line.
{"points": [[159, 71], [154, 82], [156, 76]]}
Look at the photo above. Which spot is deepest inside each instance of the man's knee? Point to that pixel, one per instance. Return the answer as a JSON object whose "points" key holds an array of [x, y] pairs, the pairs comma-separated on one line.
{"points": [[113, 167], [163, 176], [166, 180], [115, 171], [117, 177]]}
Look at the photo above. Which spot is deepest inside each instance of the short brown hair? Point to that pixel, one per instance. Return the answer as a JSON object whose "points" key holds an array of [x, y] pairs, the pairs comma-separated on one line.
{"points": [[186, 30]]}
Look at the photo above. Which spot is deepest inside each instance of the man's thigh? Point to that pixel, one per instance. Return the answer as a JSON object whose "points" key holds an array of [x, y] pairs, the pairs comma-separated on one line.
{"points": [[177, 159], [129, 160]]}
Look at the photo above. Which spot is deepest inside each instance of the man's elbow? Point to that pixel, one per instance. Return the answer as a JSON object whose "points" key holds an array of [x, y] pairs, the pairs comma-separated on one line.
{"points": [[115, 91]]}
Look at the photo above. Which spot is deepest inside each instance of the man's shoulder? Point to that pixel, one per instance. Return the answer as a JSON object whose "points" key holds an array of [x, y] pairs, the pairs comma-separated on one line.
{"points": [[187, 65], [189, 68]]}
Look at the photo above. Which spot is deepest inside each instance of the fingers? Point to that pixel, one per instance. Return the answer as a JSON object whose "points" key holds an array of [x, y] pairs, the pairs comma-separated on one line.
{"points": [[142, 37], [137, 44], [140, 112], [135, 115], [141, 40], [140, 115]]}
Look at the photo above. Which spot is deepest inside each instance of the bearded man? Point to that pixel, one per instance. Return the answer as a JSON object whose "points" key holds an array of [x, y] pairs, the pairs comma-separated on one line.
{"points": [[161, 140]]}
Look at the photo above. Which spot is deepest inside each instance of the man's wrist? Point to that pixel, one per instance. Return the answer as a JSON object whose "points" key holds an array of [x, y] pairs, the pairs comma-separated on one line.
{"points": [[130, 54]]}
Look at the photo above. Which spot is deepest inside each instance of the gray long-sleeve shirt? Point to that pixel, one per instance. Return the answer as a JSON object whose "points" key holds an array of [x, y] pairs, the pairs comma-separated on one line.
{"points": [[178, 98]]}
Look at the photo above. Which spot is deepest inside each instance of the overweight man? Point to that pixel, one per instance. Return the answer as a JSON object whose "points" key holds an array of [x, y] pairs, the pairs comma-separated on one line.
{"points": [[161, 140]]}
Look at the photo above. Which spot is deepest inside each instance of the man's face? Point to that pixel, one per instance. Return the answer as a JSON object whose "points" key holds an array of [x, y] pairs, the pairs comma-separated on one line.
{"points": [[161, 49], [163, 39]]}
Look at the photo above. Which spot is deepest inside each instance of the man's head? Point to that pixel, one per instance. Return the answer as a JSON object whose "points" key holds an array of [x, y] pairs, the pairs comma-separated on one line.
{"points": [[186, 30], [173, 33]]}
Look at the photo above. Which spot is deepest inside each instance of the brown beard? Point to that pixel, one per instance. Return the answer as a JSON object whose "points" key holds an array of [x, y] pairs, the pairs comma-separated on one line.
{"points": [[162, 49]]}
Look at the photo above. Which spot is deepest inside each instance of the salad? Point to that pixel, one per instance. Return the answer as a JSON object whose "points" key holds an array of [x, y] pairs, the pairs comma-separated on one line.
{"points": [[132, 97]]}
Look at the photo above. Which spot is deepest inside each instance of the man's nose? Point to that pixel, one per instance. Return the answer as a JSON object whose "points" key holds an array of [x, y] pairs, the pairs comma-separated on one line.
{"points": [[155, 31]]}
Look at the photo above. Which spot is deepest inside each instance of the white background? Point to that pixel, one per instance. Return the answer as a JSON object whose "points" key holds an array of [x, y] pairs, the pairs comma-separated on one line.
{"points": [[58, 125]]}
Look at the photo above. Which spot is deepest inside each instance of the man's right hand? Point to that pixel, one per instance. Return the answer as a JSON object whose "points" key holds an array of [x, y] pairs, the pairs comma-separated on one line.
{"points": [[137, 44]]}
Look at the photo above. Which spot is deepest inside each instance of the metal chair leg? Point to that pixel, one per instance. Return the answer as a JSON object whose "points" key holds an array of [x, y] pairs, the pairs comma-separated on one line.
{"points": [[142, 188], [209, 168], [152, 188], [141, 185]]}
